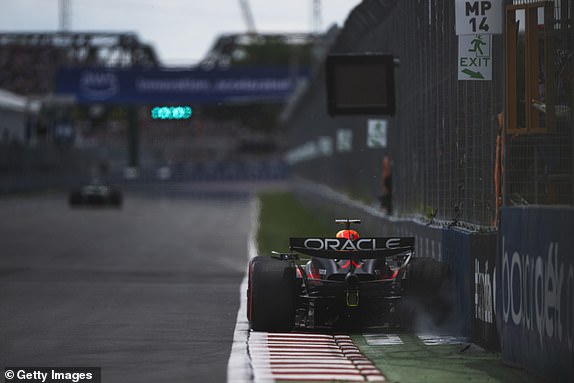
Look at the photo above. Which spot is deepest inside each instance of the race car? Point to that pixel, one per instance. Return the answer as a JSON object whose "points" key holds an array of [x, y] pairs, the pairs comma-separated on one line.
{"points": [[345, 282], [96, 193]]}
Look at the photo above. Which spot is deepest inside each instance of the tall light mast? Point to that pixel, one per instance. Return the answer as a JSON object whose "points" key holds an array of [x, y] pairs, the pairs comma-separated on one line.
{"points": [[316, 17], [64, 21], [248, 16]]}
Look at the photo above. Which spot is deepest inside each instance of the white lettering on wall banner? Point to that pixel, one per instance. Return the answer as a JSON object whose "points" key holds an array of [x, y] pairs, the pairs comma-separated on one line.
{"points": [[204, 85], [538, 294], [483, 293], [429, 248]]}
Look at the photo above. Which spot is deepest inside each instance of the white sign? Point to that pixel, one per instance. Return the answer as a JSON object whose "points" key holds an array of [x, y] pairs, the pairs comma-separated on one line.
{"points": [[325, 145], [377, 133], [480, 16], [474, 57], [344, 140]]}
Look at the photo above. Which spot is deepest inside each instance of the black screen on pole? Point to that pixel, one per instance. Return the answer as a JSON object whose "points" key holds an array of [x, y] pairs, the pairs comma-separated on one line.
{"points": [[360, 84]]}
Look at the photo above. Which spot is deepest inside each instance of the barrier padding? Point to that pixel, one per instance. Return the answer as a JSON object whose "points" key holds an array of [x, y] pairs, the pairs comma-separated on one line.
{"points": [[456, 247], [535, 290]]}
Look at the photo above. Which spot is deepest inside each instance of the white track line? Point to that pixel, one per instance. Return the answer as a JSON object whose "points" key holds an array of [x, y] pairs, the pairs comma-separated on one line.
{"points": [[239, 365]]}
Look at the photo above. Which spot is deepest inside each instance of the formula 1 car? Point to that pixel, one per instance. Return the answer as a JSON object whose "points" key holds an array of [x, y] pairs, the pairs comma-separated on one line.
{"points": [[348, 282], [95, 193]]}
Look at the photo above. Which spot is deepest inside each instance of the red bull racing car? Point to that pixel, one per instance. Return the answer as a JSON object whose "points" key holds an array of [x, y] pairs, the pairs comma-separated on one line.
{"points": [[345, 282]]}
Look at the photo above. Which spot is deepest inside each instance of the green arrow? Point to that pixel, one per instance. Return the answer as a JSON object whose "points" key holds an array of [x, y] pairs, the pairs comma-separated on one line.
{"points": [[472, 74]]}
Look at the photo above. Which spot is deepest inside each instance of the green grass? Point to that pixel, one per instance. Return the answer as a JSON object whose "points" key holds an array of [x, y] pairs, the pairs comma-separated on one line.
{"points": [[413, 362], [281, 217]]}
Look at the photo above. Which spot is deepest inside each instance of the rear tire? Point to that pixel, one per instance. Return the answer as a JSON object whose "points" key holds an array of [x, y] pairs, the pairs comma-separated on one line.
{"points": [[271, 294]]}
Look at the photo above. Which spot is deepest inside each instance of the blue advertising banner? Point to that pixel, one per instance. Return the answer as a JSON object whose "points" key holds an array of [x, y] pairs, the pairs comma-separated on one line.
{"points": [[483, 263], [535, 290], [457, 249], [108, 85]]}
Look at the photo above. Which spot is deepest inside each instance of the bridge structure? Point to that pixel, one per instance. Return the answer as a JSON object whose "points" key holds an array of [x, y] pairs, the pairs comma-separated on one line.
{"points": [[117, 69], [29, 60]]}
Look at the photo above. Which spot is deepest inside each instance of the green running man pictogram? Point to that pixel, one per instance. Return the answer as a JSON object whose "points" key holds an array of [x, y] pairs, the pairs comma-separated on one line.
{"points": [[477, 42]]}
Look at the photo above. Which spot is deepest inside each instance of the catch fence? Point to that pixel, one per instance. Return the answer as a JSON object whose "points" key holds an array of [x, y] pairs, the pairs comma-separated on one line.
{"points": [[453, 157]]}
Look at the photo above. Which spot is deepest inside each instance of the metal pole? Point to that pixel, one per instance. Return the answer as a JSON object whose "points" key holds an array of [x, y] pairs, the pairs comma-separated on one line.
{"points": [[64, 15], [133, 137]]}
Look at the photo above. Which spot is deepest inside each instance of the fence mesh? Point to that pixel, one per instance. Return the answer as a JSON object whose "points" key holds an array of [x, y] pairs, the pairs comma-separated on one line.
{"points": [[445, 141], [539, 161]]}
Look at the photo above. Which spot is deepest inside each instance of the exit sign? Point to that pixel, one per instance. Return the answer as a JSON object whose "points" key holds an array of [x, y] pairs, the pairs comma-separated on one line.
{"points": [[479, 17], [474, 57]]}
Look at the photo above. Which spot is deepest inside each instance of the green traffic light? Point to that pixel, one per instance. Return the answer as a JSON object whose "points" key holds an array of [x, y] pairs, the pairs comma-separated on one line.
{"points": [[171, 112]]}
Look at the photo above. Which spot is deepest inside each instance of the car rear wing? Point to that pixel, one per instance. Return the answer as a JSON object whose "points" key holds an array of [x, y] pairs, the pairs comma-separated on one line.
{"points": [[343, 248]]}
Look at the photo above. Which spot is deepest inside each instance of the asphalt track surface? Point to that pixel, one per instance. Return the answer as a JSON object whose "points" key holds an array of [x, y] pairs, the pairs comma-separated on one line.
{"points": [[149, 293]]}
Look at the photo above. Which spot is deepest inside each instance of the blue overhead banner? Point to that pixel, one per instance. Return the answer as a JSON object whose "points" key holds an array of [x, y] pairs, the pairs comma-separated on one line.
{"points": [[141, 86]]}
